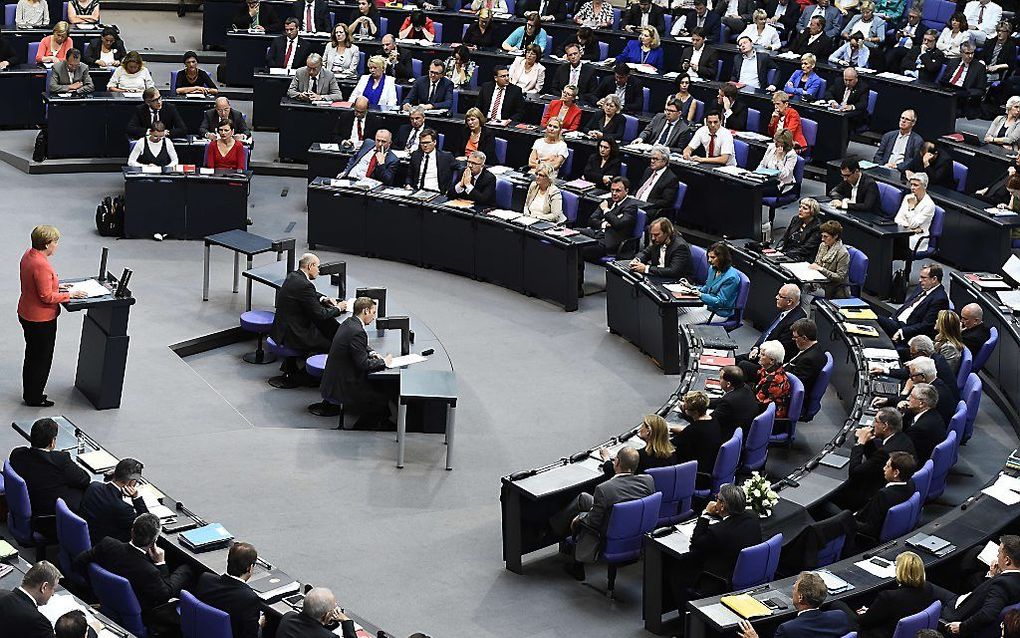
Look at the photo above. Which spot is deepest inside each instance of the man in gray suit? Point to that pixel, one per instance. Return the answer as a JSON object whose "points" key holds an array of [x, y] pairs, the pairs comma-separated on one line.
{"points": [[667, 128], [314, 83], [71, 76], [587, 516]]}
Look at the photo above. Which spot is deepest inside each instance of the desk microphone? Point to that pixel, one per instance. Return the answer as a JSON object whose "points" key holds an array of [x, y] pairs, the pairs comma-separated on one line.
{"points": [[523, 475], [787, 481], [427, 352], [580, 456], [626, 435], [970, 501]]}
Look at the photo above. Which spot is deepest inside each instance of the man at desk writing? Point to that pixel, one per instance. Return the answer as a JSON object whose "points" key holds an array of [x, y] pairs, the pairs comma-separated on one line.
{"points": [[70, 75], [857, 191], [667, 255], [350, 361]]}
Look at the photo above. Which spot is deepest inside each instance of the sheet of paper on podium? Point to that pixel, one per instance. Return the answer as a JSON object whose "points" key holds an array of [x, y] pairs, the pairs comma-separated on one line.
{"points": [[405, 360], [90, 287]]}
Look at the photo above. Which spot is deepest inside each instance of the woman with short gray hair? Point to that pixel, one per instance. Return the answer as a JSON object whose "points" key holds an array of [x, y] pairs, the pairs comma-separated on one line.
{"points": [[1005, 129], [772, 385], [917, 210]]}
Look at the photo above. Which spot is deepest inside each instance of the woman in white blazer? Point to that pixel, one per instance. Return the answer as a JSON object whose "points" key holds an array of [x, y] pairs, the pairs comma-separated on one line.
{"points": [[916, 211], [544, 200], [526, 72], [375, 85]]}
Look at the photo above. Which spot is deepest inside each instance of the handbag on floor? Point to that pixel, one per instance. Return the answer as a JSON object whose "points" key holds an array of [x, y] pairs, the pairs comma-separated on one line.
{"points": [[110, 217]]}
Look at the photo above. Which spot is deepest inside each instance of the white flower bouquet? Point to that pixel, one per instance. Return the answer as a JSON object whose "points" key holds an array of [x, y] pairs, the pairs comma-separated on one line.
{"points": [[759, 494]]}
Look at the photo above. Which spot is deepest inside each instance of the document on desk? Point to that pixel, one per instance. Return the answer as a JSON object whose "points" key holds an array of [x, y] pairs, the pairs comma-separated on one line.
{"points": [[60, 604], [751, 135], [887, 569], [880, 354], [90, 287], [505, 215], [99, 461], [1002, 491], [895, 76], [1010, 298], [802, 270], [500, 170], [994, 211], [405, 360]]}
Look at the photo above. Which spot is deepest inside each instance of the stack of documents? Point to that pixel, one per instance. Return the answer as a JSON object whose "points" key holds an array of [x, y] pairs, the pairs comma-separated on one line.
{"points": [[802, 270], [505, 215], [206, 538], [746, 606], [896, 76], [90, 287], [861, 314], [834, 583], [1005, 489], [405, 360], [99, 462]]}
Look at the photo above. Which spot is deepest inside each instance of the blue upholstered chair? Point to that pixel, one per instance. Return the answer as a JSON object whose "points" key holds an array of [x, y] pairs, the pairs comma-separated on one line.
{"points": [[628, 523], [889, 199], [117, 600], [858, 270], [813, 403], [73, 537], [740, 149], [500, 145], [757, 564], [926, 619], [810, 129], [676, 484], [569, 206], [630, 128], [960, 176], [793, 414], [9, 11], [942, 460], [966, 366], [699, 264], [504, 193], [901, 519], [725, 467], [756, 447], [934, 235], [958, 424], [199, 620], [986, 350], [19, 512], [630, 245], [753, 118], [259, 322], [678, 201], [33, 50], [922, 479], [972, 396], [831, 551]]}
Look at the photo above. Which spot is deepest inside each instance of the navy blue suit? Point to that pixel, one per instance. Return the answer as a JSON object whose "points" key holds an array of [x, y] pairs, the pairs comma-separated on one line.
{"points": [[384, 172], [911, 152], [419, 93], [815, 623], [921, 320]]}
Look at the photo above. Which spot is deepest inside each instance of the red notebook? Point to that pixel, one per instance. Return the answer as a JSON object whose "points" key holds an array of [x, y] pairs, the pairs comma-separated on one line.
{"points": [[708, 360]]}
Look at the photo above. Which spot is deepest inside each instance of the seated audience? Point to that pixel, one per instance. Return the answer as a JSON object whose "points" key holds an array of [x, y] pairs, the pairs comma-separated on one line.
{"points": [[809, 592], [1005, 129], [907, 34], [912, 594], [688, 105], [924, 370], [849, 94], [110, 508], [71, 76], [500, 100], [851, 53], [927, 427], [807, 363], [524, 36], [604, 165], [460, 68], [658, 450], [812, 40], [975, 332], [481, 33], [377, 87], [822, 9], [305, 319], [919, 346], [624, 86], [341, 55], [132, 76], [550, 148], [544, 199], [548, 10], [575, 72], [497, 6], [918, 313], [983, 16], [476, 183], [290, 50], [155, 149], [659, 184], [527, 72], [587, 515], [764, 36], [431, 91], [719, 293], [417, 26], [869, 455], [924, 60], [587, 44], [701, 438], [783, 15], [868, 24], [954, 36], [713, 142], [19, 607], [789, 312], [429, 168], [977, 614], [312, 83], [364, 19], [72, 624], [612, 222], [833, 261], [48, 472], [641, 13], [409, 134], [32, 14], [79, 12], [230, 592], [53, 48], [737, 407], [700, 17], [667, 128], [354, 126], [253, 15], [595, 14], [698, 62], [646, 49], [898, 489], [750, 67], [374, 160], [319, 614], [223, 111], [476, 137], [805, 83], [732, 111], [938, 166], [803, 236], [779, 159], [857, 191], [772, 385], [949, 338], [153, 110], [226, 152], [564, 110], [609, 123], [785, 117], [194, 80], [667, 254], [108, 50], [999, 57], [967, 78]]}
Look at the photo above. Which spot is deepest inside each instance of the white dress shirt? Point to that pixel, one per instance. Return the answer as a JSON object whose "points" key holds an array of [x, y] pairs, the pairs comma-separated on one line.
{"points": [[431, 173], [695, 61], [749, 71], [136, 151], [359, 170], [723, 143]]}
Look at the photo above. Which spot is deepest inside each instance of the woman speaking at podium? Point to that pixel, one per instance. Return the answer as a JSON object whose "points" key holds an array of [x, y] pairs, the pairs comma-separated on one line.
{"points": [[38, 307]]}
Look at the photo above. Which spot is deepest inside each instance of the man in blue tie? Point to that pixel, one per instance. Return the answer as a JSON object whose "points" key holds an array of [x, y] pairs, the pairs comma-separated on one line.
{"points": [[788, 311]]}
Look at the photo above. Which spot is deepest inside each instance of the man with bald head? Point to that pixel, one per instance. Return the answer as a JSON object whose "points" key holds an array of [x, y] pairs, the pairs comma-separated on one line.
{"points": [[975, 332], [355, 125], [374, 160], [305, 318], [319, 615], [849, 94], [788, 311], [223, 111]]}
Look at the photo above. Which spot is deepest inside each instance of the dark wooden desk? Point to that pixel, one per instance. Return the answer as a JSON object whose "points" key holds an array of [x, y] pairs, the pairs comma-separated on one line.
{"points": [[184, 206]]}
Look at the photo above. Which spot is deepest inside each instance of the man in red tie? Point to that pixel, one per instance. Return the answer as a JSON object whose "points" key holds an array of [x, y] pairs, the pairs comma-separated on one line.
{"points": [[374, 160], [716, 141], [968, 79], [288, 51]]}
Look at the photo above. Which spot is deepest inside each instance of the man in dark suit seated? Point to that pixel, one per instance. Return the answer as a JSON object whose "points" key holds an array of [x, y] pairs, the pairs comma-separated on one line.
{"points": [[899, 487], [231, 594], [612, 222], [918, 313], [319, 614], [809, 593], [49, 473], [783, 15], [666, 129], [500, 100], [788, 311], [643, 13], [978, 613], [909, 32], [699, 61], [968, 78], [732, 111], [355, 126], [152, 111], [314, 17], [897, 149], [575, 72], [812, 40], [19, 608], [305, 319], [924, 60], [667, 255], [223, 111], [548, 10], [659, 184], [921, 346], [698, 17], [288, 51], [850, 95], [587, 515], [809, 359], [350, 361], [430, 168], [975, 332], [924, 425], [433, 91], [143, 563], [398, 61], [857, 191], [869, 455], [476, 183], [824, 9], [737, 407], [105, 505], [374, 160], [409, 134], [624, 86]]}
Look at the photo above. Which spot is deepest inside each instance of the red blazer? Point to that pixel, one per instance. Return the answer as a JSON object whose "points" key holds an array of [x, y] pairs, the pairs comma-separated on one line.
{"points": [[792, 124], [40, 289], [570, 123], [233, 160]]}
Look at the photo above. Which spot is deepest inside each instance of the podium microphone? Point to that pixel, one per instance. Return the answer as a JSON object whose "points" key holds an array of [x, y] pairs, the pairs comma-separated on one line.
{"points": [[102, 264]]}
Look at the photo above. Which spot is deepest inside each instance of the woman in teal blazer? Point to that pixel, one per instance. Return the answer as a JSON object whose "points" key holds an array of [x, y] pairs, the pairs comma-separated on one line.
{"points": [[720, 290]]}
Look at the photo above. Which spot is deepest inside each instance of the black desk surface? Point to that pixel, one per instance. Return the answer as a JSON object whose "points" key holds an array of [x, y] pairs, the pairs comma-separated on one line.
{"points": [[241, 241]]}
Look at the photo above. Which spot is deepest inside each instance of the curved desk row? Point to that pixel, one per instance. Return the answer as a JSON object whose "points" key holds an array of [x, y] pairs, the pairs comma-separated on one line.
{"points": [[985, 164], [70, 436]]}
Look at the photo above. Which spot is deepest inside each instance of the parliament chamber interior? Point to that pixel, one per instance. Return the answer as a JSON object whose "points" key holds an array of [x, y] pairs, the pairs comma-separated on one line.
{"points": [[496, 317]]}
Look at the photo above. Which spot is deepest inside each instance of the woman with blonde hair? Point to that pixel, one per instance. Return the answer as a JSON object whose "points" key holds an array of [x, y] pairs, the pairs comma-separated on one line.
{"points": [[644, 50], [55, 47], [949, 338], [544, 199], [912, 594], [658, 450], [131, 76], [550, 148], [376, 86]]}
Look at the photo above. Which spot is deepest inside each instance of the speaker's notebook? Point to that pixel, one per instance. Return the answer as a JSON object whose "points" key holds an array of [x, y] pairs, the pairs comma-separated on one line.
{"points": [[206, 538]]}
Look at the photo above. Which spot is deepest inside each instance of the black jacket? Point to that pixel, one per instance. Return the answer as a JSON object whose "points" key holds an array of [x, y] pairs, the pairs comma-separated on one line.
{"points": [[299, 314], [699, 441], [594, 171], [662, 195], [980, 611], [926, 432], [679, 135], [586, 81], [867, 194], [678, 259], [763, 61], [890, 605], [458, 144], [783, 332], [95, 49], [513, 101], [737, 119], [708, 64], [974, 80], [820, 48], [867, 462], [633, 97], [939, 171], [556, 8], [349, 364], [141, 121], [858, 94], [402, 69], [297, 625], [444, 168], [612, 130], [400, 140], [104, 509], [931, 63], [632, 17], [21, 618], [267, 18], [211, 121], [921, 320], [484, 191], [345, 123], [234, 597], [150, 582], [320, 16], [790, 16], [1007, 55], [872, 516], [806, 365], [621, 218], [976, 337], [735, 409], [717, 546], [49, 476], [711, 25], [800, 242], [949, 396], [278, 52]]}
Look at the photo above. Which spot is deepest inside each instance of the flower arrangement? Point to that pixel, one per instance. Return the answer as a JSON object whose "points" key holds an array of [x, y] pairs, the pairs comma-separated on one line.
{"points": [[759, 494]]}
